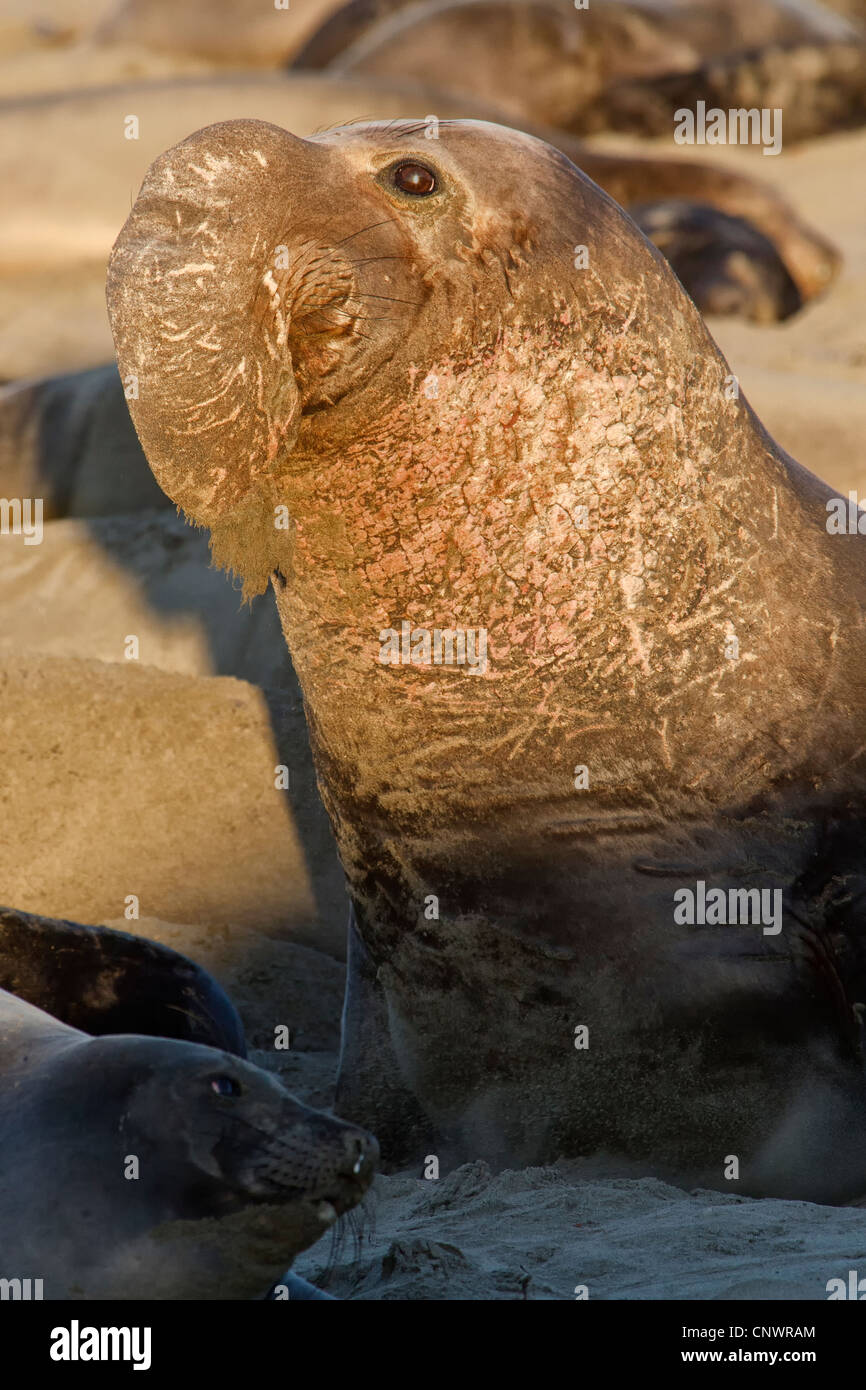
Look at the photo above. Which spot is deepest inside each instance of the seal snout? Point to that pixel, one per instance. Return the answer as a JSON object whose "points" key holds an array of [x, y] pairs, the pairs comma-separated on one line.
{"points": [[355, 1163], [306, 1155]]}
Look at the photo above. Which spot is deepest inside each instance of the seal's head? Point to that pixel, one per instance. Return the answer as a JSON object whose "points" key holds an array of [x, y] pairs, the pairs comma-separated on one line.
{"points": [[204, 1175], [437, 379], [274, 301], [238, 1134]]}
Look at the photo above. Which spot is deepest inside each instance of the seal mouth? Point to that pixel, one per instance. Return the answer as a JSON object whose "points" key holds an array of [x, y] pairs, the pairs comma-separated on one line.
{"points": [[336, 1196], [336, 1204]]}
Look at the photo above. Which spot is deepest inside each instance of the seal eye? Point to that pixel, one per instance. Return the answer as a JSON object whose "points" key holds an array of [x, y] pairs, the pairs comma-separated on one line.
{"points": [[225, 1086], [414, 178]]}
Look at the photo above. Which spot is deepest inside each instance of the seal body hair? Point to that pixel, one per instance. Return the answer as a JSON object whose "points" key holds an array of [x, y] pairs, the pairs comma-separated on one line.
{"points": [[474, 431]]}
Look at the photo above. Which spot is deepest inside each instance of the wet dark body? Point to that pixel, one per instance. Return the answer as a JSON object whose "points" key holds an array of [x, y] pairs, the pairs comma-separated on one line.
{"points": [[104, 981]]}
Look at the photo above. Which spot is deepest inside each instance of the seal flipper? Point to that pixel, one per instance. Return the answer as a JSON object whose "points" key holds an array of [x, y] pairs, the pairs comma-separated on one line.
{"points": [[829, 946], [370, 1088], [818, 1151], [102, 982]]}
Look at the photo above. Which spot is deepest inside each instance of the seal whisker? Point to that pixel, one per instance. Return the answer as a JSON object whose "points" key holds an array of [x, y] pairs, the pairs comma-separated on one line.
{"points": [[358, 318], [393, 299], [371, 228], [350, 1226], [340, 125], [330, 328]]}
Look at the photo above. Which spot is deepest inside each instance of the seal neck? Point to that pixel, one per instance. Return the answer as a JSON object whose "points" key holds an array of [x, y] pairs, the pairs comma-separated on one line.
{"points": [[623, 542]]}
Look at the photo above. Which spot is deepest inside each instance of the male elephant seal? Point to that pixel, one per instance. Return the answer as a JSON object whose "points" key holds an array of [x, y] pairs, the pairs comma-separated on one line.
{"points": [[104, 981], [573, 638], [135, 1167]]}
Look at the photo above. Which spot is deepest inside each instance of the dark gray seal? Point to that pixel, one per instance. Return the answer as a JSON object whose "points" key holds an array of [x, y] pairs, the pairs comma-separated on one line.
{"points": [[146, 1168], [390, 340], [103, 981]]}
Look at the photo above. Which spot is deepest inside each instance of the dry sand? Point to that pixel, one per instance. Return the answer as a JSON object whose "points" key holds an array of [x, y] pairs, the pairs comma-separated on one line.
{"points": [[120, 779]]}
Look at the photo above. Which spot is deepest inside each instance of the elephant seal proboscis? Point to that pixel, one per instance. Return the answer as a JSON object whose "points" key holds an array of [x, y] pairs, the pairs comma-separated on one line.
{"points": [[661, 679], [104, 981], [145, 1168]]}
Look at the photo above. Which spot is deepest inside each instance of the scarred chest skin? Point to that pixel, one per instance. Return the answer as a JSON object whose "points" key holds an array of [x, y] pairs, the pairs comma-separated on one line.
{"points": [[606, 648]]}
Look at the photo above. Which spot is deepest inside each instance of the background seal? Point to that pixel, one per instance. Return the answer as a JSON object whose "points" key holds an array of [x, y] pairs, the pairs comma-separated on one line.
{"points": [[104, 981]]}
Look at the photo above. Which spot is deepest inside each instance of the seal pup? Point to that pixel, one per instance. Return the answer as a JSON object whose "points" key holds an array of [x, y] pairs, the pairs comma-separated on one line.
{"points": [[245, 33], [818, 88], [147, 39], [603, 41], [726, 263], [661, 677], [103, 981], [673, 199], [27, 25], [141, 1168]]}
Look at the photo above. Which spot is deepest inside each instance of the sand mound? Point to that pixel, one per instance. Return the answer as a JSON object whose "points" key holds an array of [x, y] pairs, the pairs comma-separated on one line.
{"points": [[544, 1232], [124, 780], [70, 440], [92, 585]]}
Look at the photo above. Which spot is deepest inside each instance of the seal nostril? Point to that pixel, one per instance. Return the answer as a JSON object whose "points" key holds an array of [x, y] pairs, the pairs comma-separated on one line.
{"points": [[359, 1150]]}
